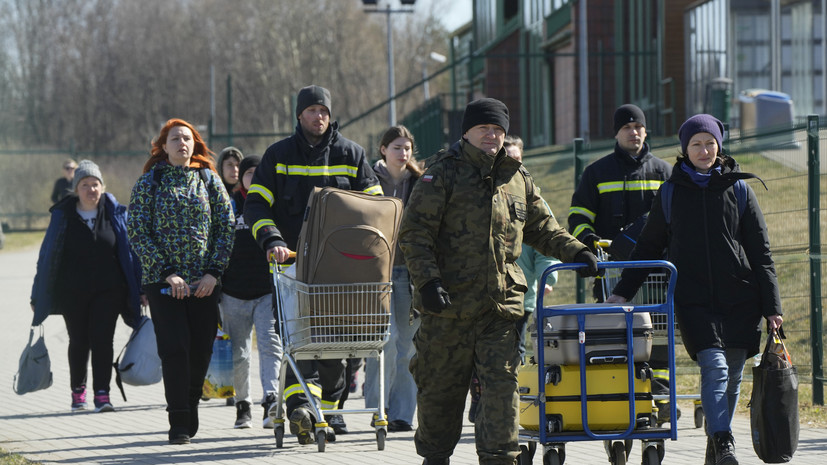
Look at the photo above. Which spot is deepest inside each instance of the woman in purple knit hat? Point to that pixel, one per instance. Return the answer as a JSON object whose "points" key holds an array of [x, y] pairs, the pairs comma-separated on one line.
{"points": [[709, 221]]}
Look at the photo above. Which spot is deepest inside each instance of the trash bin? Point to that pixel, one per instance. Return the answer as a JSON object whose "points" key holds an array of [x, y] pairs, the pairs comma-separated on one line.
{"points": [[766, 111], [718, 94]]}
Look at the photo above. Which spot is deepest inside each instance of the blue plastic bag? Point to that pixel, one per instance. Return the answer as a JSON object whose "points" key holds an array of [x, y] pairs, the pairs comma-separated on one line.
{"points": [[218, 383]]}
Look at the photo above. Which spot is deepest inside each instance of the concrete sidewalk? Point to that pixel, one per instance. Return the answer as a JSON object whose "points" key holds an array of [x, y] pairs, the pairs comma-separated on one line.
{"points": [[41, 427]]}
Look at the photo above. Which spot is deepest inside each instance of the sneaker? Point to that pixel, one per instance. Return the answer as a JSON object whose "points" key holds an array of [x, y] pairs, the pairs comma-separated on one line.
{"points": [[399, 425], [230, 401], [79, 398], [269, 402], [102, 403], [337, 423], [724, 448], [243, 419], [301, 424]]}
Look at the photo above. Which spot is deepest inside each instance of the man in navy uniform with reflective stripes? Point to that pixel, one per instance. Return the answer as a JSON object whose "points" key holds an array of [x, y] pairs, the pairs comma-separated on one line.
{"points": [[316, 155], [614, 192]]}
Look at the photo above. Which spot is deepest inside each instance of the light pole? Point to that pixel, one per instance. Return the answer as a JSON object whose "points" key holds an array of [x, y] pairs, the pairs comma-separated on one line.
{"points": [[391, 86]]}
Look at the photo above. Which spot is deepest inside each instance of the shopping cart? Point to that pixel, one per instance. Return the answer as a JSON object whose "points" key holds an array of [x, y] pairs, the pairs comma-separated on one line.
{"points": [[652, 292], [618, 443], [331, 321]]}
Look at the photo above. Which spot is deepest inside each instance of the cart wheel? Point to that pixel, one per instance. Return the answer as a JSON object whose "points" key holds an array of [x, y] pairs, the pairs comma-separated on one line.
{"points": [[627, 445], [618, 456], [380, 438], [552, 457], [527, 453], [279, 432], [321, 440], [699, 417], [651, 456]]}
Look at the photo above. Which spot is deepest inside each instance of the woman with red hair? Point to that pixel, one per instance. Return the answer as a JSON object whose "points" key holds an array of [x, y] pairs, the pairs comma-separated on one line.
{"points": [[181, 227]]}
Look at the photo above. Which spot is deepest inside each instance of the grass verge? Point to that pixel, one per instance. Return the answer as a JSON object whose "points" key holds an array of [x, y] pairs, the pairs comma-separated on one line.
{"points": [[8, 458], [16, 241]]}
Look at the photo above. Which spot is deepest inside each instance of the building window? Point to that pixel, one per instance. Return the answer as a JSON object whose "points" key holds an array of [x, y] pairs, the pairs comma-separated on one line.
{"points": [[510, 9]]}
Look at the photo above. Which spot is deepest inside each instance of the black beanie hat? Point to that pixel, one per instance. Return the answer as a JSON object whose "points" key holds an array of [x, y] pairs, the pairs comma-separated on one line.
{"points": [[313, 95], [628, 114], [701, 123], [248, 162], [485, 111]]}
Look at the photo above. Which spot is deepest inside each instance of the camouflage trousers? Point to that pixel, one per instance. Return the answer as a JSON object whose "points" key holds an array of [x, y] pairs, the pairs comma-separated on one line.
{"points": [[447, 352]]}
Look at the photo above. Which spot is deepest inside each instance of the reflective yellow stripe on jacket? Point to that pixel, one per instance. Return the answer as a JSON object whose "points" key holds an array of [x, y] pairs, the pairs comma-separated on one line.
{"points": [[615, 186], [264, 192], [322, 170]]}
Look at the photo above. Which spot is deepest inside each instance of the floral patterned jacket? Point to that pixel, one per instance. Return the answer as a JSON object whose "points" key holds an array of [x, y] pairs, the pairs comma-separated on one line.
{"points": [[180, 221]]}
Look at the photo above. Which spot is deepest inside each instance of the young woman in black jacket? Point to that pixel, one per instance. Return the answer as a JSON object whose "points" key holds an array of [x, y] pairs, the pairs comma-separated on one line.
{"points": [[715, 234]]}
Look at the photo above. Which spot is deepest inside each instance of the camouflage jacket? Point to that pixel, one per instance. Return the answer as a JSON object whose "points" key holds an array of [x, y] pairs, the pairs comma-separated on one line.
{"points": [[465, 223]]}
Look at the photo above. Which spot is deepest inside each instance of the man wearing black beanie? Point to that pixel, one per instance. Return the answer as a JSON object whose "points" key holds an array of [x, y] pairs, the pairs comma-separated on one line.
{"points": [[461, 234], [616, 193], [316, 155]]}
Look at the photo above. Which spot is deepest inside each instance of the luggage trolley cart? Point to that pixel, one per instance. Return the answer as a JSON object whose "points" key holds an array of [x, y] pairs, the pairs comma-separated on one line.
{"points": [[653, 291], [331, 321], [618, 443]]}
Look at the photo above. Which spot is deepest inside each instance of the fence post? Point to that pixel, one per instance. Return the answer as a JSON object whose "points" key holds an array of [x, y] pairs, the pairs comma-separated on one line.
{"points": [[580, 287], [813, 196]]}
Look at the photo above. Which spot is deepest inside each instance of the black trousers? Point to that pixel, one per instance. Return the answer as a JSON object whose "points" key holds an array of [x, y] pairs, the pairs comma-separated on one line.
{"points": [[185, 331], [90, 321]]}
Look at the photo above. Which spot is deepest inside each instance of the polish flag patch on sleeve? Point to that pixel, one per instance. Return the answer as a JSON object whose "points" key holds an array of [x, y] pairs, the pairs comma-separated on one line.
{"points": [[427, 178]]}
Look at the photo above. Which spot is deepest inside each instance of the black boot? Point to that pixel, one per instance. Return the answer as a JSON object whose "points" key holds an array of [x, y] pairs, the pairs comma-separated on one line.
{"points": [[724, 448], [709, 458], [178, 430]]}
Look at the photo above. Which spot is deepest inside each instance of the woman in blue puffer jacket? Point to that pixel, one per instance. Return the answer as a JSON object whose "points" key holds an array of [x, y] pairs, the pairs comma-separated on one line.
{"points": [[87, 273]]}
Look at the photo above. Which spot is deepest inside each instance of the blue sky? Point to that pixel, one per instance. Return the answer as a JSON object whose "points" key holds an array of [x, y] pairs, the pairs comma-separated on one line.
{"points": [[456, 12]]}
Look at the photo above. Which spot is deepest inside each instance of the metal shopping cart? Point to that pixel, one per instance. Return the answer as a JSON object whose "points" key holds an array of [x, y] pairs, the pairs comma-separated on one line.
{"points": [[652, 292], [617, 442], [331, 321]]}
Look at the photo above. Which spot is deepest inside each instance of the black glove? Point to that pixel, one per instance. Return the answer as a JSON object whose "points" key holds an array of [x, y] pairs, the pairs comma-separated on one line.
{"points": [[588, 259], [589, 241], [434, 297]]}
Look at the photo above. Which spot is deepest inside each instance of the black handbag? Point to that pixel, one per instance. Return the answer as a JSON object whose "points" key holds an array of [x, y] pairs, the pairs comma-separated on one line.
{"points": [[34, 370], [773, 407]]}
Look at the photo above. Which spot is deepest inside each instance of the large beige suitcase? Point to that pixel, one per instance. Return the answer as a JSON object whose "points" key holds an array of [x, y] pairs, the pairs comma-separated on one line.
{"points": [[347, 237]]}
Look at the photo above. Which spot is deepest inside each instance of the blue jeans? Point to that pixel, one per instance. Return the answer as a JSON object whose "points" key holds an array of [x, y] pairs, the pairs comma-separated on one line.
{"points": [[400, 389], [239, 317], [721, 371]]}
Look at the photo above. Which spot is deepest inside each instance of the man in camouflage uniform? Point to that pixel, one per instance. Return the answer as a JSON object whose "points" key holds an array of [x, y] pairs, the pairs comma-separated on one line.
{"points": [[461, 234]]}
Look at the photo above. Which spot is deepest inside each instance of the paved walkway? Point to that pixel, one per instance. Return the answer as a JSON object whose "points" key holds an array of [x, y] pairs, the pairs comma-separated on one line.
{"points": [[41, 427]]}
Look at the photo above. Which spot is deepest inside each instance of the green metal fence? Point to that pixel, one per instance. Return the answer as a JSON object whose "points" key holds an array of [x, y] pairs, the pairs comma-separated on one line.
{"points": [[788, 160]]}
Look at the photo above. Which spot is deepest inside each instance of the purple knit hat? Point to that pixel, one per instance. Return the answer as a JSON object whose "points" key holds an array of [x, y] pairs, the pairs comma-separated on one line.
{"points": [[701, 123]]}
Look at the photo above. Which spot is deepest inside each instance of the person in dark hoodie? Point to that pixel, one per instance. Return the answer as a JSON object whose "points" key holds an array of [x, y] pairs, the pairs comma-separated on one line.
{"points": [[229, 168], [717, 238], [398, 170], [316, 155], [246, 302], [87, 272]]}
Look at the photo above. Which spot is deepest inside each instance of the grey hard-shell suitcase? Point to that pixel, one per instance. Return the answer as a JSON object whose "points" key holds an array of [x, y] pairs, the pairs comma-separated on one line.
{"points": [[605, 338]]}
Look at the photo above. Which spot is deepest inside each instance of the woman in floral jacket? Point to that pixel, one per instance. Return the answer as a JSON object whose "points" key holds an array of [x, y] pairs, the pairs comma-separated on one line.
{"points": [[181, 227]]}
